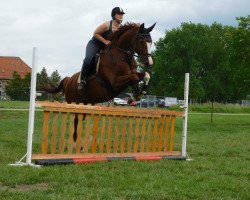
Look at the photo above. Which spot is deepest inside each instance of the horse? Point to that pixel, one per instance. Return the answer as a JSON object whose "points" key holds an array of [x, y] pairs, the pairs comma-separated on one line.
{"points": [[117, 69]]}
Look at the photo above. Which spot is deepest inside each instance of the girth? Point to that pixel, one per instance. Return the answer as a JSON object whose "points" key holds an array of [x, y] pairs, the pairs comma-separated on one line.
{"points": [[103, 82]]}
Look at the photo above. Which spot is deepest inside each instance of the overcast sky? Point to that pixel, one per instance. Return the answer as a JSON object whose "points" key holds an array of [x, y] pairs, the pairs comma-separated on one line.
{"points": [[60, 29]]}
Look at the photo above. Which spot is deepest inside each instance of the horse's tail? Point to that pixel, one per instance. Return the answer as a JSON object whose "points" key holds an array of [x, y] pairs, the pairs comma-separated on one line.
{"points": [[53, 90]]}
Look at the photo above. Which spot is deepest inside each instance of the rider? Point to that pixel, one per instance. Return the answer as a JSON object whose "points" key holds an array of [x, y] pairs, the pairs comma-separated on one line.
{"points": [[99, 41]]}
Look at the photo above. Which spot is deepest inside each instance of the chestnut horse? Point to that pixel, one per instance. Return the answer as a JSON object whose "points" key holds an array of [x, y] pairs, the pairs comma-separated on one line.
{"points": [[117, 68]]}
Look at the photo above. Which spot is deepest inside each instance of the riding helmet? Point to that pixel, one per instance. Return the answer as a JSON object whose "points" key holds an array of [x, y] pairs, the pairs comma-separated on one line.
{"points": [[117, 10]]}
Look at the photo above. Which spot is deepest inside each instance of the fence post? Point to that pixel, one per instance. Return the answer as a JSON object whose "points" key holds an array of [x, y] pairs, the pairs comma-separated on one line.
{"points": [[28, 155], [185, 117]]}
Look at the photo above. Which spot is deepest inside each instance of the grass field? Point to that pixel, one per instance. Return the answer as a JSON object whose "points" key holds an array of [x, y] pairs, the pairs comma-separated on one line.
{"points": [[219, 170]]}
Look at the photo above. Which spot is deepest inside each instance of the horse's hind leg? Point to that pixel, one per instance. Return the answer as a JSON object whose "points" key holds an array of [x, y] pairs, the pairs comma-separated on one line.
{"points": [[76, 120], [82, 147], [75, 128]]}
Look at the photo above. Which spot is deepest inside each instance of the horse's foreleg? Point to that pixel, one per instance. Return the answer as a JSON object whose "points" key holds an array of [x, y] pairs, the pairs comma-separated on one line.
{"points": [[146, 79], [138, 92], [140, 75], [125, 80]]}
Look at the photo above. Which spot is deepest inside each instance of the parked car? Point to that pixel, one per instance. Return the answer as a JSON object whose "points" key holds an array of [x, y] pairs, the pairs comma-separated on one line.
{"points": [[161, 103], [119, 101], [147, 103]]}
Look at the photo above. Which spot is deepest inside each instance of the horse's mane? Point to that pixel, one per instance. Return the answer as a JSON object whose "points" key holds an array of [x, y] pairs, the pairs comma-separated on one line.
{"points": [[122, 29]]}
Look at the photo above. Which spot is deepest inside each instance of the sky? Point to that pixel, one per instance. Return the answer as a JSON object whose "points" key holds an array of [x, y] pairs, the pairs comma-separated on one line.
{"points": [[61, 29]]}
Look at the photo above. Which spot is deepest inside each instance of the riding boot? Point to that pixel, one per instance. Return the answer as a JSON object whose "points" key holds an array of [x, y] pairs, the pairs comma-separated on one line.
{"points": [[83, 77]]}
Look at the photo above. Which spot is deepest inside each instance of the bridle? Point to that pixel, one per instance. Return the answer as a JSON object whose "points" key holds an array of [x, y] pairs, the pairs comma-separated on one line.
{"points": [[146, 37]]}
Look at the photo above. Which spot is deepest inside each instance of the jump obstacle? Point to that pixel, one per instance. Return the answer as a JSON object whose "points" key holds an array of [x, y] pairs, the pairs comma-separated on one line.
{"points": [[106, 134]]}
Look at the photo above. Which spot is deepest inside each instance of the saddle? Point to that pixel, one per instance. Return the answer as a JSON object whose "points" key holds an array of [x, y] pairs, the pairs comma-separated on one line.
{"points": [[95, 68]]}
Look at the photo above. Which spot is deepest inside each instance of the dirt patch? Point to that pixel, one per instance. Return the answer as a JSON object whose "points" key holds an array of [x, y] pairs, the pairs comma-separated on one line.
{"points": [[24, 187]]}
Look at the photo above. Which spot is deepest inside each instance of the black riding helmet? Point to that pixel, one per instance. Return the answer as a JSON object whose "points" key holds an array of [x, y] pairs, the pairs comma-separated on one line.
{"points": [[117, 10]]}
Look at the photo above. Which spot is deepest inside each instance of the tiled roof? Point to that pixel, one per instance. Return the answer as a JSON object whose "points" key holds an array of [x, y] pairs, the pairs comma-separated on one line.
{"points": [[10, 64]]}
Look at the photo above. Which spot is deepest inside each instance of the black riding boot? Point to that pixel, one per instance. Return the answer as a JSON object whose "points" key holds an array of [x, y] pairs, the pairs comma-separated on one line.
{"points": [[83, 77]]}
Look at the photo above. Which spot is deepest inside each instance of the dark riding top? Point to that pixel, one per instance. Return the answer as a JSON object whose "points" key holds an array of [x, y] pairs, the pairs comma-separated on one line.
{"points": [[94, 46], [105, 35]]}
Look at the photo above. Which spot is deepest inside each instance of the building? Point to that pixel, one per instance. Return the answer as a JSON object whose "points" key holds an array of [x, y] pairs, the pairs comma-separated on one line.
{"points": [[8, 65]]}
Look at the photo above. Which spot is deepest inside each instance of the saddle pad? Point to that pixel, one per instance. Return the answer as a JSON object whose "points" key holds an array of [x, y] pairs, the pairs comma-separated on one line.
{"points": [[79, 78], [97, 64]]}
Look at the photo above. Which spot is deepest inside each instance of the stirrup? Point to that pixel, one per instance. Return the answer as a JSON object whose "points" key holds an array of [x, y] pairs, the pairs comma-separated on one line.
{"points": [[82, 85]]}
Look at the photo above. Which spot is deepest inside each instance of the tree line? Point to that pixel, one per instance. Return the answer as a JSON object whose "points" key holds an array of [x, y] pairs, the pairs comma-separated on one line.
{"points": [[216, 56], [19, 89]]}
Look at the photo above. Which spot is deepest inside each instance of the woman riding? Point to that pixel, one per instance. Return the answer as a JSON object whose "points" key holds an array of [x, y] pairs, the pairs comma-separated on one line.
{"points": [[99, 41]]}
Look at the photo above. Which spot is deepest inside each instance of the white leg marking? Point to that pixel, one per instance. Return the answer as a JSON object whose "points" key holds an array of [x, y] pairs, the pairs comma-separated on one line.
{"points": [[146, 78]]}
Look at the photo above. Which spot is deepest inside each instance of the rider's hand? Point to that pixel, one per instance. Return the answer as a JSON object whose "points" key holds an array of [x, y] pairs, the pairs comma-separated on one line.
{"points": [[107, 42]]}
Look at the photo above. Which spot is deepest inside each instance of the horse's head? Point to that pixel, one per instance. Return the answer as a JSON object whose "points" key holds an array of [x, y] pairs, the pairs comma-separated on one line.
{"points": [[134, 40], [143, 43]]}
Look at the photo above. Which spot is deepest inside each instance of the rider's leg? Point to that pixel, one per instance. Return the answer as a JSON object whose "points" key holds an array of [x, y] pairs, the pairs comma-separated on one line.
{"points": [[84, 74], [91, 51]]}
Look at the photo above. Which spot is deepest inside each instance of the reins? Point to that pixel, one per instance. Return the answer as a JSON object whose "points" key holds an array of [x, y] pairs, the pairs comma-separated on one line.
{"points": [[130, 53]]}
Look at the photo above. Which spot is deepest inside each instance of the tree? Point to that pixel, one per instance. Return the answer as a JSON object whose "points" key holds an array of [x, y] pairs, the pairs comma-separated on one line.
{"points": [[18, 88], [55, 78], [42, 81], [216, 56], [181, 51], [42, 78], [240, 59]]}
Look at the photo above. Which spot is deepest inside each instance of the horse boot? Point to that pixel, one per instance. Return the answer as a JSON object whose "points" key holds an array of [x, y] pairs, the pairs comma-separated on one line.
{"points": [[136, 91], [144, 89], [83, 77]]}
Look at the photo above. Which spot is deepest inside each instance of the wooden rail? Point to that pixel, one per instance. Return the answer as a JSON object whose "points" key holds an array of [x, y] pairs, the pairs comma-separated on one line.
{"points": [[106, 131]]}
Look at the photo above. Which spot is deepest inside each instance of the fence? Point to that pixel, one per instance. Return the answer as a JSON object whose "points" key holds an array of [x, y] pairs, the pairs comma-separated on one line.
{"points": [[106, 132]]}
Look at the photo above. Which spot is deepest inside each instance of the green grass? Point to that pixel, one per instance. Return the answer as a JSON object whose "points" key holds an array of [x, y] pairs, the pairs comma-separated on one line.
{"points": [[219, 108], [220, 169], [206, 107], [14, 104]]}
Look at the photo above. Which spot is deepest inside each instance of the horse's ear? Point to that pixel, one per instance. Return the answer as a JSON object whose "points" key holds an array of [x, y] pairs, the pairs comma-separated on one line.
{"points": [[151, 27], [141, 28]]}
